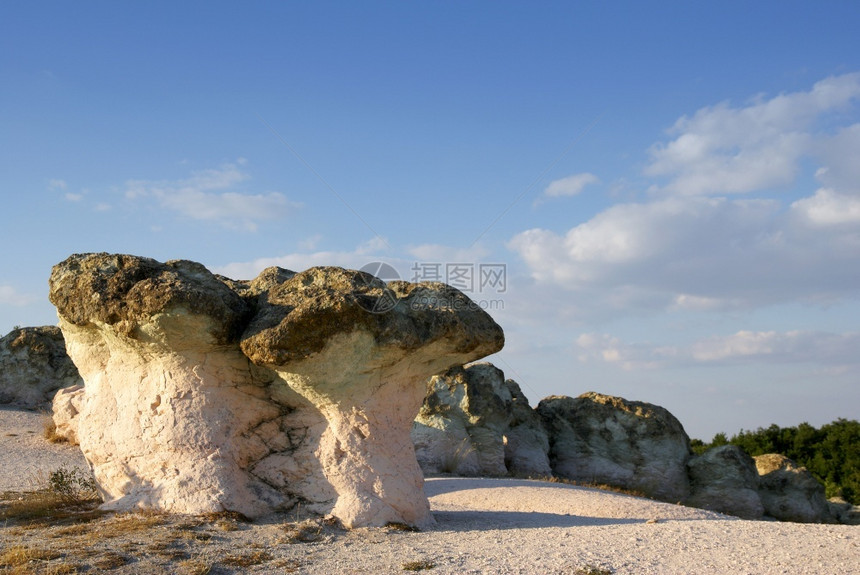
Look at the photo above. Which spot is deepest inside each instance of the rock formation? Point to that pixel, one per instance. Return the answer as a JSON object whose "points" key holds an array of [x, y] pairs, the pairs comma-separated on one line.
{"points": [[207, 394], [725, 479], [33, 365], [789, 492], [527, 442], [474, 423], [843, 512], [598, 438]]}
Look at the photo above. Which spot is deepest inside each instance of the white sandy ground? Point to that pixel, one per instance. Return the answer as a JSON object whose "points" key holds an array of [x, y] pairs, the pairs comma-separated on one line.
{"points": [[483, 526]]}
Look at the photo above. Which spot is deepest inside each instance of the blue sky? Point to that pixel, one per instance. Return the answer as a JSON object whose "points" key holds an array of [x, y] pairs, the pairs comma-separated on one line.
{"points": [[673, 189]]}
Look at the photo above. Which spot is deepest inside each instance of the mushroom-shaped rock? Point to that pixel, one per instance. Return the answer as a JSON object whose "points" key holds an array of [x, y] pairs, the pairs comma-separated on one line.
{"points": [[207, 394], [361, 352], [169, 405]]}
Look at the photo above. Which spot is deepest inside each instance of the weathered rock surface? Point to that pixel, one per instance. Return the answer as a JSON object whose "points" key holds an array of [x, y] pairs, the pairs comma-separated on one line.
{"points": [[527, 445], [461, 425], [66, 406], [789, 492], [843, 512], [604, 439], [33, 365], [725, 479], [468, 420], [204, 393]]}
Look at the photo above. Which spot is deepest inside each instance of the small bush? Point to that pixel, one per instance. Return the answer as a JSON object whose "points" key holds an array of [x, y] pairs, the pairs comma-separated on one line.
{"points": [[591, 570], [72, 486], [418, 565]]}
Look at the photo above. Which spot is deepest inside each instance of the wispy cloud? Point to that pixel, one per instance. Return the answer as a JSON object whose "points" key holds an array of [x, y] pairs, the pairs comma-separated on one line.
{"points": [[363, 254], [791, 347], [723, 149], [570, 186], [57, 184], [211, 195], [696, 250], [10, 296]]}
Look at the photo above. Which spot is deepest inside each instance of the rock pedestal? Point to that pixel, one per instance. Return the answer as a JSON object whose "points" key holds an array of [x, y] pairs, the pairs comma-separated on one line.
{"points": [[207, 394]]}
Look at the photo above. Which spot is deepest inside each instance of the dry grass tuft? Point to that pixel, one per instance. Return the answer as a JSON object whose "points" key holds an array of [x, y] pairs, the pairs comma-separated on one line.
{"points": [[288, 565], [226, 520], [592, 570], [49, 431], [393, 526], [592, 485], [18, 555], [422, 565], [312, 530], [110, 560], [247, 559], [46, 507], [194, 567], [308, 531], [131, 522], [62, 569]]}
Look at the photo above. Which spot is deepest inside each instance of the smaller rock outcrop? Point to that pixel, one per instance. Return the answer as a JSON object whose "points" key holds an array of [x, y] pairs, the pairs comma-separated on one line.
{"points": [[844, 512], [66, 406], [789, 492], [725, 479], [474, 423], [33, 365], [527, 443], [461, 426], [599, 438]]}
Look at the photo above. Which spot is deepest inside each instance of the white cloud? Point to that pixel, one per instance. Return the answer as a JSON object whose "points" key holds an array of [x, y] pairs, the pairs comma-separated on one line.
{"points": [[607, 349], [360, 256], [688, 253], [778, 347], [693, 251], [208, 195], [571, 185], [839, 155], [376, 249], [831, 350], [56, 184], [10, 296], [828, 207], [724, 150], [74, 197]]}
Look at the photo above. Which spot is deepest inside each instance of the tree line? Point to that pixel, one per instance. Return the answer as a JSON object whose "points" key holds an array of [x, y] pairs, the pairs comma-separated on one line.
{"points": [[831, 453]]}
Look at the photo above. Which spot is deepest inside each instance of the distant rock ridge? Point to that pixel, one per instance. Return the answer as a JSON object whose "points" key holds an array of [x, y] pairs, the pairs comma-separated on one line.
{"points": [[474, 422]]}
